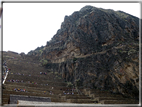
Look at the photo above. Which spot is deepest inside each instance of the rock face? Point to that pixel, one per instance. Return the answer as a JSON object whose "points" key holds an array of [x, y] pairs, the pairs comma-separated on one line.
{"points": [[98, 48]]}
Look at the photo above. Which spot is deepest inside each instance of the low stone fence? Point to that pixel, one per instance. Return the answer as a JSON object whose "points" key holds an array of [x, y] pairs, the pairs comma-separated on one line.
{"points": [[14, 98]]}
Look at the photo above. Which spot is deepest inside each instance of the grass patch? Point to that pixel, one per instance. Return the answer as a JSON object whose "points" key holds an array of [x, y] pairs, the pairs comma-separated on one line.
{"points": [[56, 73]]}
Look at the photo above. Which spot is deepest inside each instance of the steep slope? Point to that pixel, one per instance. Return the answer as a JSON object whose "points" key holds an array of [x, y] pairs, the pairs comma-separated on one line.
{"points": [[96, 48], [90, 30], [25, 74]]}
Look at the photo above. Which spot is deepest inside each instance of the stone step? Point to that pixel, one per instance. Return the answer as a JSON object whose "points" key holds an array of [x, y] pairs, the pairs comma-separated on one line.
{"points": [[105, 95], [9, 86], [108, 98], [119, 102], [29, 94], [77, 97], [37, 90], [86, 89], [4, 103], [5, 100], [53, 98], [38, 84], [35, 74], [38, 80], [5, 95], [39, 87], [57, 100], [68, 93], [86, 93], [80, 101], [98, 91]]}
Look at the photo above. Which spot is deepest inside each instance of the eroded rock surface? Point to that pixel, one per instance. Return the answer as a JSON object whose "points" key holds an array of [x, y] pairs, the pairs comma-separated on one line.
{"points": [[98, 47]]}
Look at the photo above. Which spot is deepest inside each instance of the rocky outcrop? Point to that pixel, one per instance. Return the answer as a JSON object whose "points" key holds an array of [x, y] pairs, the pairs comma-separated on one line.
{"points": [[89, 30], [116, 70], [98, 48]]}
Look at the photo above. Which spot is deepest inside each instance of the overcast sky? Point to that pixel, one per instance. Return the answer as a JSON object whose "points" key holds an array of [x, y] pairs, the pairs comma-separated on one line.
{"points": [[27, 26]]}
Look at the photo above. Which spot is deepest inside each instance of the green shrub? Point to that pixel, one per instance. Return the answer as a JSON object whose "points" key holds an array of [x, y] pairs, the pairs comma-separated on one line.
{"points": [[74, 59], [131, 51], [41, 51], [69, 84], [43, 62], [56, 73], [78, 82], [124, 51]]}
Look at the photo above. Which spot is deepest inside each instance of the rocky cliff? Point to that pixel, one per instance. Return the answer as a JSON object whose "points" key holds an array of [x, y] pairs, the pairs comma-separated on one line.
{"points": [[97, 48]]}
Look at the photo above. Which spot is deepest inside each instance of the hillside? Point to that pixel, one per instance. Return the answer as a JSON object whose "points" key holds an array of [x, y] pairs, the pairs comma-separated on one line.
{"points": [[87, 31], [27, 77], [96, 49]]}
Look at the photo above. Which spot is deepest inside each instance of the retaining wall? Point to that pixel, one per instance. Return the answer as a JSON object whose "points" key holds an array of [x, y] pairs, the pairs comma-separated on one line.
{"points": [[15, 98]]}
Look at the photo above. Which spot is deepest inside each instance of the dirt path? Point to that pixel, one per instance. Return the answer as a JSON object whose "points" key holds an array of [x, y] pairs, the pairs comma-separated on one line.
{"points": [[5, 77], [83, 56], [102, 52]]}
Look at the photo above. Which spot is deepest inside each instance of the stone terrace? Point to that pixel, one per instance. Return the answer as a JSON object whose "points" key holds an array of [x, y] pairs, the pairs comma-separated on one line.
{"points": [[25, 75]]}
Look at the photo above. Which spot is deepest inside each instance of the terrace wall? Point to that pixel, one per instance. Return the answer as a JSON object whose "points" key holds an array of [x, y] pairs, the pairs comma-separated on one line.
{"points": [[15, 98]]}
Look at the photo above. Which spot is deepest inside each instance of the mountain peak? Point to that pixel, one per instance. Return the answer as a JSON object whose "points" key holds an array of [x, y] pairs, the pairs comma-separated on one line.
{"points": [[87, 7], [102, 44]]}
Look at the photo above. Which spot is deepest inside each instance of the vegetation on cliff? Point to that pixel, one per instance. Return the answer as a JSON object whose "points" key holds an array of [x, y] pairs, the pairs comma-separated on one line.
{"points": [[96, 48]]}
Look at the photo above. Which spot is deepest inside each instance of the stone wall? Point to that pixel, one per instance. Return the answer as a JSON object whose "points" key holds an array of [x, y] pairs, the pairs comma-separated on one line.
{"points": [[15, 98], [12, 52]]}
